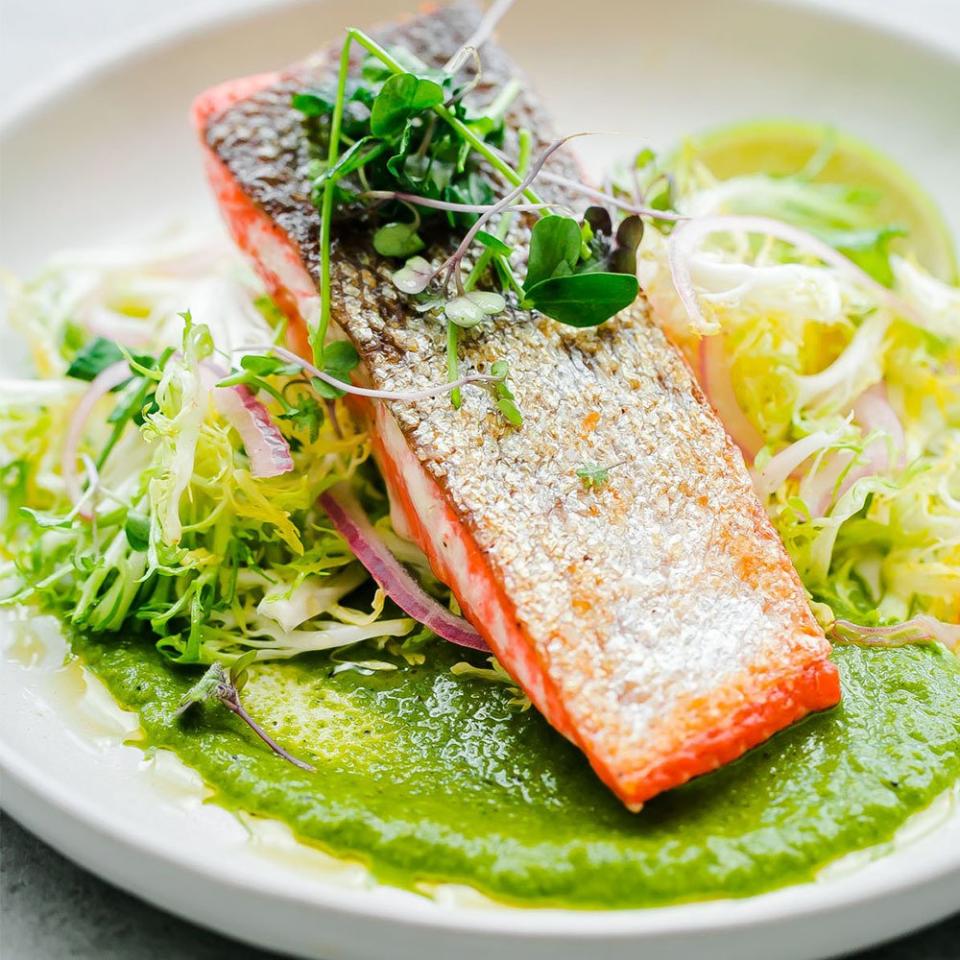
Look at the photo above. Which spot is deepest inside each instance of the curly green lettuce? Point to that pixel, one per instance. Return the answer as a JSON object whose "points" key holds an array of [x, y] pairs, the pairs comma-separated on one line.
{"points": [[173, 534], [845, 401]]}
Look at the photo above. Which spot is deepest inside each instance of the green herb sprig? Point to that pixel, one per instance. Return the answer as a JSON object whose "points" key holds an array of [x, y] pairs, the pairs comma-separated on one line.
{"points": [[572, 269], [220, 686], [593, 476], [298, 407], [396, 143], [136, 399], [401, 126]]}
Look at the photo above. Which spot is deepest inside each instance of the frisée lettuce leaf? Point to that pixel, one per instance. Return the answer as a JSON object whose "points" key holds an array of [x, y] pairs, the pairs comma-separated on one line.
{"points": [[173, 535], [844, 398]]}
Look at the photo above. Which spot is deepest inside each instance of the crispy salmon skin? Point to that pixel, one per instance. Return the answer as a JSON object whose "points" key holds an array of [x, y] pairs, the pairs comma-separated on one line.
{"points": [[655, 619]]}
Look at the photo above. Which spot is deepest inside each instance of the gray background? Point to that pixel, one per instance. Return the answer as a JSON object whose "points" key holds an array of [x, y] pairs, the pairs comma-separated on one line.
{"points": [[51, 909]]}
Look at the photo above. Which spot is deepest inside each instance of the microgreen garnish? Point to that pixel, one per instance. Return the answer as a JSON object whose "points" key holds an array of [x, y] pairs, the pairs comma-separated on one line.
{"points": [[554, 249], [414, 277], [218, 685], [468, 310], [402, 97], [345, 386], [254, 372], [395, 136], [94, 358], [644, 187], [585, 299], [312, 103], [397, 126], [494, 244], [506, 401], [298, 397], [307, 416], [340, 359], [572, 271], [593, 476], [397, 240]]}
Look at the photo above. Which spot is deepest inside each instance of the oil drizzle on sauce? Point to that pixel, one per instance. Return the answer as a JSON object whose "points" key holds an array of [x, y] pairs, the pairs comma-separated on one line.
{"points": [[99, 725], [81, 701]]}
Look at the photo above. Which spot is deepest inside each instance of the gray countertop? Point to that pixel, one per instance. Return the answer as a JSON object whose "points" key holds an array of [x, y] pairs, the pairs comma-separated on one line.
{"points": [[51, 909]]}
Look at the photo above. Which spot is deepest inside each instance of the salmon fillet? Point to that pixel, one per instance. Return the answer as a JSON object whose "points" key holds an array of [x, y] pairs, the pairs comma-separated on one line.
{"points": [[656, 620]]}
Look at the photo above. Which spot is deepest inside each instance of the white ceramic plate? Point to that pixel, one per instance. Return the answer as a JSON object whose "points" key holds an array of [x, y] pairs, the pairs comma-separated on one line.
{"points": [[109, 152]]}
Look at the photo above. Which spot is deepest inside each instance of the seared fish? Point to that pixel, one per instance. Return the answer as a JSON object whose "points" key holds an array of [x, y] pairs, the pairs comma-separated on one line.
{"points": [[655, 620]]}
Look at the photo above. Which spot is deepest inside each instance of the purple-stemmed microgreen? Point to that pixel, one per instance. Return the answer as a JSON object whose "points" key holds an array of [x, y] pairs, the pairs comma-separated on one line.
{"points": [[446, 205], [414, 277], [611, 199], [346, 387], [397, 105], [410, 136], [217, 685], [453, 264]]}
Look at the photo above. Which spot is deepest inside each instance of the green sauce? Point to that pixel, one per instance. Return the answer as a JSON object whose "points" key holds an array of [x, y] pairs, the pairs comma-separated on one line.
{"points": [[426, 776]]}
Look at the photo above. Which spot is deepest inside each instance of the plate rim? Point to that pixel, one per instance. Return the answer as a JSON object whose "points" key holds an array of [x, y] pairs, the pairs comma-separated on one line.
{"points": [[99, 63], [35, 797], [708, 917]]}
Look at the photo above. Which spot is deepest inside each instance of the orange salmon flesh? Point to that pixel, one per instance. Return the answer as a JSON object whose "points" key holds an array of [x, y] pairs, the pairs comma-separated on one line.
{"points": [[656, 621]]}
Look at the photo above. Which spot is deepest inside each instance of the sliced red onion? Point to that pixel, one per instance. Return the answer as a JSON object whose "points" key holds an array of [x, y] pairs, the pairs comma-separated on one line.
{"points": [[266, 446], [685, 239], [100, 386], [920, 629], [785, 463], [873, 412], [347, 387], [353, 525], [717, 385], [818, 490]]}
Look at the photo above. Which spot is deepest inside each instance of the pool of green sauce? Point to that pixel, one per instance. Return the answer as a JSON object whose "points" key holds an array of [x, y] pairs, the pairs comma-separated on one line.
{"points": [[426, 776]]}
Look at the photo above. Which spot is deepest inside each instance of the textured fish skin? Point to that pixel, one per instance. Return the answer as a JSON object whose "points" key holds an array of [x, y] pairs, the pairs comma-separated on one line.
{"points": [[656, 620]]}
